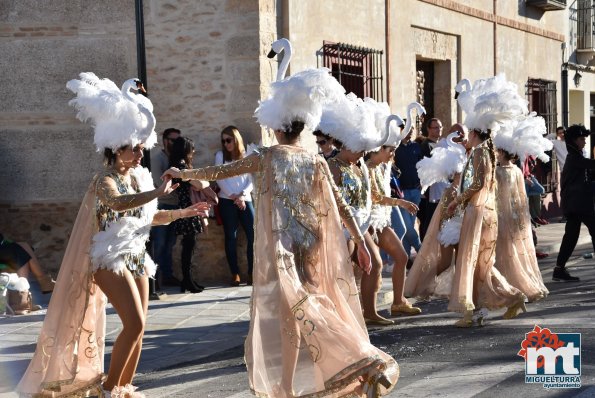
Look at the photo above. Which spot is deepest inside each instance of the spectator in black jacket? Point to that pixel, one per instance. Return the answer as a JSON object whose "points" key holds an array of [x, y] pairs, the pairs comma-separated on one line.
{"points": [[577, 198]]}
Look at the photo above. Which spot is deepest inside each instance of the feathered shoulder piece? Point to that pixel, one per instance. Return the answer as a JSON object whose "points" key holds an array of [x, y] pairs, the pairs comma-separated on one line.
{"points": [[448, 158], [119, 116], [299, 97]]}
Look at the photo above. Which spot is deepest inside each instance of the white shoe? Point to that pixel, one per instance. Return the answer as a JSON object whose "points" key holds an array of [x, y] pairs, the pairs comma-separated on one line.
{"points": [[480, 315]]}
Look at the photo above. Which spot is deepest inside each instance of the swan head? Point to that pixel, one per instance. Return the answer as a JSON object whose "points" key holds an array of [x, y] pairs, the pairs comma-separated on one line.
{"points": [[463, 84], [133, 84], [278, 46]]}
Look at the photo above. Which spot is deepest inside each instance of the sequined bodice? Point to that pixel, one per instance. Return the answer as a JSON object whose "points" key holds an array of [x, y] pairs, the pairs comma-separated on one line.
{"points": [[467, 177], [354, 187], [105, 215]]}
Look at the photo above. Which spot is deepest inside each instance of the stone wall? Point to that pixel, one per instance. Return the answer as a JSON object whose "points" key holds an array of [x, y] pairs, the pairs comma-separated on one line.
{"points": [[47, 155], [203, 68], [205, 71]]}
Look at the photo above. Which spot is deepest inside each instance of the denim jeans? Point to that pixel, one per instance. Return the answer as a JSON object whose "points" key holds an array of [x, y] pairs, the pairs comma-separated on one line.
{"points": [[163, 238], [398, 225], [410, 238], [232, 217]]}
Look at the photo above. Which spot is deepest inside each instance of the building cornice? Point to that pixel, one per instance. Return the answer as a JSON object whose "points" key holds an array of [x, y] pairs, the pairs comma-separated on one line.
{"points": [[497, 19]]}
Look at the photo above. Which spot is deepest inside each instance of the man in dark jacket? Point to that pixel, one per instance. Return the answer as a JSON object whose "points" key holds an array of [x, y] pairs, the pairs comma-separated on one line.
{"points": [[577, 198]]}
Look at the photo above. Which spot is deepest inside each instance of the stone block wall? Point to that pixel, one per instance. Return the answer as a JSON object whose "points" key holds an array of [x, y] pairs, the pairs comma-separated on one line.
{"points": [[204, 72], [203, 69]]}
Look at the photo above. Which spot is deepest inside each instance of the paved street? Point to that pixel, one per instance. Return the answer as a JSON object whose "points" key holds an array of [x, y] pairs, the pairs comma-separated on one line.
{"points": [[193, 343]]}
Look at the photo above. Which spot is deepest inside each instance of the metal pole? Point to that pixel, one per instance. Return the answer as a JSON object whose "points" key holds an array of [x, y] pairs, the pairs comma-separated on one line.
{"points": [[564, 95], [141, 62]]}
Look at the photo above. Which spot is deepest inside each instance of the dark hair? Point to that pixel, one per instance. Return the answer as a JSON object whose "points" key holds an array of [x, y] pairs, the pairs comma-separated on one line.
{"points": [[180, 150], [573, 132], [338, 144], [486, 136], [560, 128], [483, 134], [319, 133], [109, 155], [294, 130], [169, 131], [509, 156]]}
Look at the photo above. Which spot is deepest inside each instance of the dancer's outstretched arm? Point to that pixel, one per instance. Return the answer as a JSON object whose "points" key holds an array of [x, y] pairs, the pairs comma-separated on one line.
{"points": [[248, 164], [108, 194]]}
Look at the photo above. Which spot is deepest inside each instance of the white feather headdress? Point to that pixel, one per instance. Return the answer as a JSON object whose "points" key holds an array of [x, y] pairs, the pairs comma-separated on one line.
{"points": [[299, 97], [491, 103], [524, 137], [118, 116], [353, 122]]}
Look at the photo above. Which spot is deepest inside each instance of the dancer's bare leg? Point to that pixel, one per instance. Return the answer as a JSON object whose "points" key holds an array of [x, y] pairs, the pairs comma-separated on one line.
{"points": [[371, 282], [390, 243], [123, 293], [446, 255], [32, 265], [130, 369]]}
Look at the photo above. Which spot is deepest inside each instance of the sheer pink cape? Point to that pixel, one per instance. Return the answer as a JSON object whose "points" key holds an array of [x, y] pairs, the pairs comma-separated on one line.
{"points": [[475, 282], [68, 359], [307, 336], [515, 251]]}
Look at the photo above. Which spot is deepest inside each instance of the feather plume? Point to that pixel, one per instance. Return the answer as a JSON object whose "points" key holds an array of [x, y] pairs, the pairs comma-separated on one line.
{"points": [[445, 161]]}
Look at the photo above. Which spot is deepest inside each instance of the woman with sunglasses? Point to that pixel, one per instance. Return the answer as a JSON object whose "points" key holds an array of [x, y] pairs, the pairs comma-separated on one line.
{"points": [[235, 204], [326, 145]]}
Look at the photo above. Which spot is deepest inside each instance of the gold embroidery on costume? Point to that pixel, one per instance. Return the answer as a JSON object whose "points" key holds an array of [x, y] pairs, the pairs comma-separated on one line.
{"points": [[474, 173], [245, 165]]}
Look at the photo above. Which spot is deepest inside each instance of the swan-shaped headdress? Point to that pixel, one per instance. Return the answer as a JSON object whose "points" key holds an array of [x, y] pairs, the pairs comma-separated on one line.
{"points": [[490, 103], [119, 116], [396, 136]]}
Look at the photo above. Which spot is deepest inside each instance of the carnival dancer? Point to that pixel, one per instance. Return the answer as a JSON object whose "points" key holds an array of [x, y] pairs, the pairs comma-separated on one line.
{"points": [[105, 255], [515, 250], [353, 124], [427, 278], [476, 283], [307, 336], [379, 166], [468, 219]]}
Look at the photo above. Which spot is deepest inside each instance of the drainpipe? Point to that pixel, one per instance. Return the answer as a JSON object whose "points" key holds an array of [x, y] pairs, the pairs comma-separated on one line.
{"points": [[495, 9], [141, 61], [387, 46], [564, 87]]}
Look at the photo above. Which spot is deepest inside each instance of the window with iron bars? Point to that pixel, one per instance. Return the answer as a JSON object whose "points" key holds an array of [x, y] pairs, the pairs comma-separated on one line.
{"points": [[358, 69], [541, 95]]}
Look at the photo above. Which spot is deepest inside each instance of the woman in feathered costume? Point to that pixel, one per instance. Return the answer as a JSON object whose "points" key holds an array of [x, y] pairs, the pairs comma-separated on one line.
{"points": [[379, 166], [476, 283], [360, 126], [307, 336], [515, 251], [105, 255]]}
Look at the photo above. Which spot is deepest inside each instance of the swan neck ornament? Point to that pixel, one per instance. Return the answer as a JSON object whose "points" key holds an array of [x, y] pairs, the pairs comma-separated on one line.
{"points": [[397, 139], [464, 83], [420, 111], [276, 48]]}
